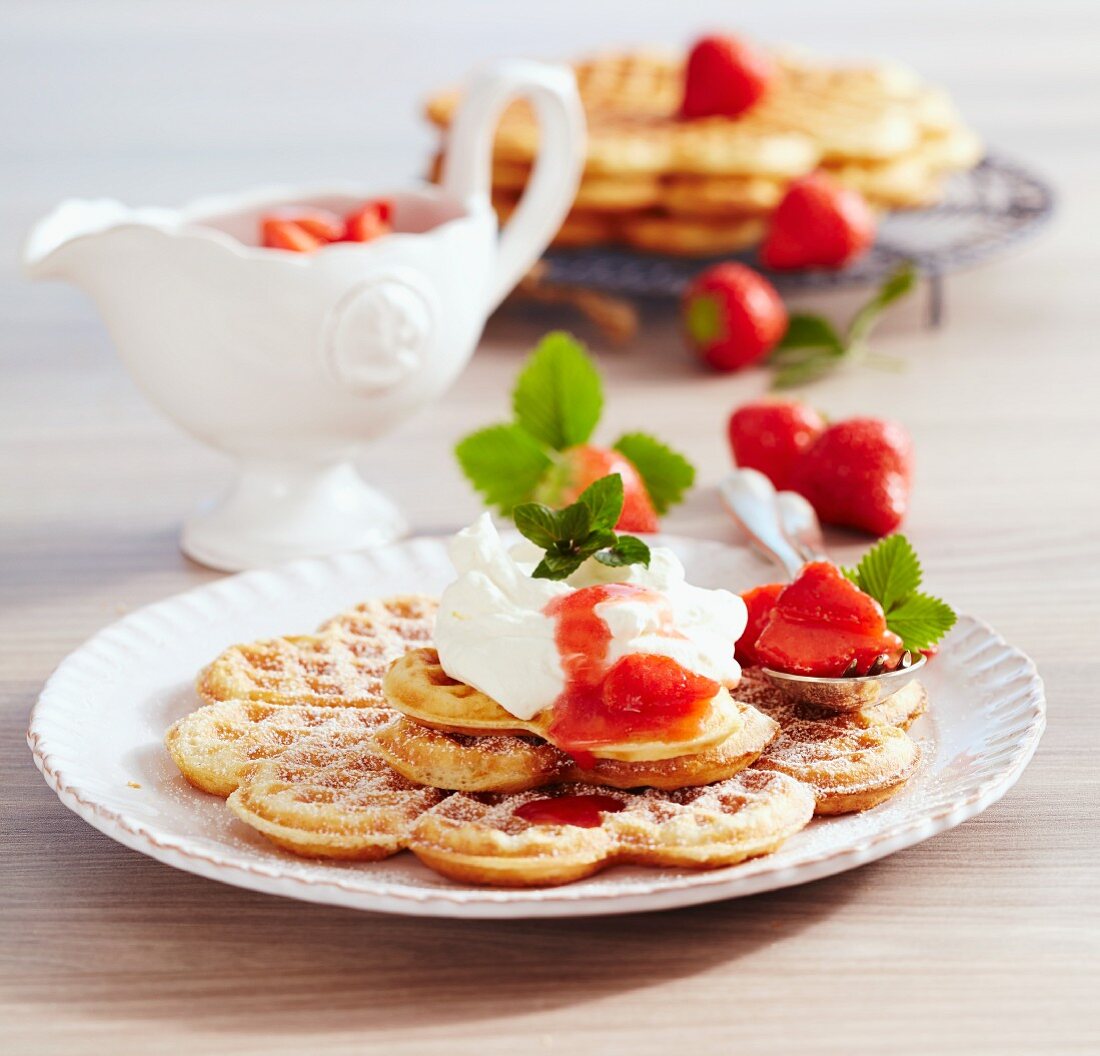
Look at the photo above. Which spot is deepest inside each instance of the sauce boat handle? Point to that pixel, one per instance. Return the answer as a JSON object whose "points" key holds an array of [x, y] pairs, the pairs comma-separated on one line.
{"points": [[467, 167]]}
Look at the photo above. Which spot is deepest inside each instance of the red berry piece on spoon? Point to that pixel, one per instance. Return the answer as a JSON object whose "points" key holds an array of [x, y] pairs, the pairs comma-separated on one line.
{"points": [[759, 601], [824, 625]]}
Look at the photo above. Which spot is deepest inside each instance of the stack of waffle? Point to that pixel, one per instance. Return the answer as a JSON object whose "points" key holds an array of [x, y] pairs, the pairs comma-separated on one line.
{"points": [[659, 183], [353, 743]]}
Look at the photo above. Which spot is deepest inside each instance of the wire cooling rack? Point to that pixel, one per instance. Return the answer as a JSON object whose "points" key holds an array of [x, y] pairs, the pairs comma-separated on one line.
{"points": [[985, 212]]}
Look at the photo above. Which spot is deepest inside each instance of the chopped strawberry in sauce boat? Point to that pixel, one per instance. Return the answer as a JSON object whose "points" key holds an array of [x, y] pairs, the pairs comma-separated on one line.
{"points": [[303, 229]]}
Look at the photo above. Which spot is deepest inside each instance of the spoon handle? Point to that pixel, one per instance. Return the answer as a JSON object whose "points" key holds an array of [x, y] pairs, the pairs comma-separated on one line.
{"points": [[801, 526], [751, 500]]}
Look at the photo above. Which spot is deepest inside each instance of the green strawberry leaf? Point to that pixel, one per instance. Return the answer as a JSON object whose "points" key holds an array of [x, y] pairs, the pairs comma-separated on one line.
{"points": [[704, 320], [889, 571], [665, 473], [811, 348], [920, 621], [603, 499], [504, 463], [627, 550], [558, 396], [810, 331], [802, 372], [897, 285]]}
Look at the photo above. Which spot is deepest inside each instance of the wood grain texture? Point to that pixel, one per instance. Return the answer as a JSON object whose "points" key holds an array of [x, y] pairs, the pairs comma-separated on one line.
{"points": [[983, 940]]}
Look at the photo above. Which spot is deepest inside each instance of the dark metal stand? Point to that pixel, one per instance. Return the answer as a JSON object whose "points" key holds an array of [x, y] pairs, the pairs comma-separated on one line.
{"points": [[985, 212]]}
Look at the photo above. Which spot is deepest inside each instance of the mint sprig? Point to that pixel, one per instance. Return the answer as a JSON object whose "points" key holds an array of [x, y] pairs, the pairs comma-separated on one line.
{"points": [[812, 347], [890, 573], [586, 529], [556, 403]]}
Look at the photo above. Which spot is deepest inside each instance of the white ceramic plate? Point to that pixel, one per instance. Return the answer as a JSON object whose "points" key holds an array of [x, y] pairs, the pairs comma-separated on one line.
{"points": [[97, 728]]}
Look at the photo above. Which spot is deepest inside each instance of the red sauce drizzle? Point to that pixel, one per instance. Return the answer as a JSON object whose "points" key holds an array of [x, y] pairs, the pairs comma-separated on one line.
{"points": [[584, 811], [642, 696]]}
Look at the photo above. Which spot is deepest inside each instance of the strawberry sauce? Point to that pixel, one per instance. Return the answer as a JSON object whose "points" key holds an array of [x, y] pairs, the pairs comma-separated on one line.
{"points": [[584, 811], [642, 697]]}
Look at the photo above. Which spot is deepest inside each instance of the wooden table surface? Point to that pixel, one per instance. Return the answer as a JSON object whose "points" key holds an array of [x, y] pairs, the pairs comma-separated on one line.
{"points": [[983, 940]]}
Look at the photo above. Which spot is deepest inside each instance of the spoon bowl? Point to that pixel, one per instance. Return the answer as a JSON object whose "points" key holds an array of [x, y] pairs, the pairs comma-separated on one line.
{"points": [[784, 528], [843, 694]]}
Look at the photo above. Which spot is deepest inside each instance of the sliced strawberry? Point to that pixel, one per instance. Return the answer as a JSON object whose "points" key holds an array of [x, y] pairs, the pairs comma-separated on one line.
{"points": [[857, 473], [818, 224], [583, 465], [370, 221], [278, 233], [759, 601], [771, 435], [724, 77], [732, 316], [822, 624]]}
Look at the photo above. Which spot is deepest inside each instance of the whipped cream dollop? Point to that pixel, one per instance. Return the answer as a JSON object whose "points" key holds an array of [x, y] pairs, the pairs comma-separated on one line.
{"points": [[492, 633]]}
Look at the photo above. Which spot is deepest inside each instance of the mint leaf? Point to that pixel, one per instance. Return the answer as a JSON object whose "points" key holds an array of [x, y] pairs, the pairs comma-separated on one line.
{"points": [[604, 500], [558, 566], [538, 523], [810, 331], [574, 525], [558, 395], [570, 536], [503, 463], [920, 621], [665, 473], [889, 571], [896, 286], [627, 550]]}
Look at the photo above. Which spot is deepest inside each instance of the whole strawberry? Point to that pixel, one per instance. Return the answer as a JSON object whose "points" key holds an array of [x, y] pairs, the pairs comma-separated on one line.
{"points": [[545, 453], [732, 316], [857, 474], [580, 466], [724, 77], [771, 435], [818, 224]]}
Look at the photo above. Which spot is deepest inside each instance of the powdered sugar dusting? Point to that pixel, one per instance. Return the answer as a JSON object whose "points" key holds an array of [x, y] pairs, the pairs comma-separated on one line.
{"points": [[100, 720]]}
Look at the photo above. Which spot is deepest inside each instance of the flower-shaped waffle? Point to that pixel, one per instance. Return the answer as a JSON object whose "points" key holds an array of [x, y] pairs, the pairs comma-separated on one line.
{"points": [[330, 796], [852, 760], [343, 665], [498, 839], [213, 745], [418, 686], [507, 763]]}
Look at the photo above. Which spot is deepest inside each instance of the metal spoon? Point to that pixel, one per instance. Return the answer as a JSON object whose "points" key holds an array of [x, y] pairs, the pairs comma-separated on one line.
{"points": [[784, 528]]}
